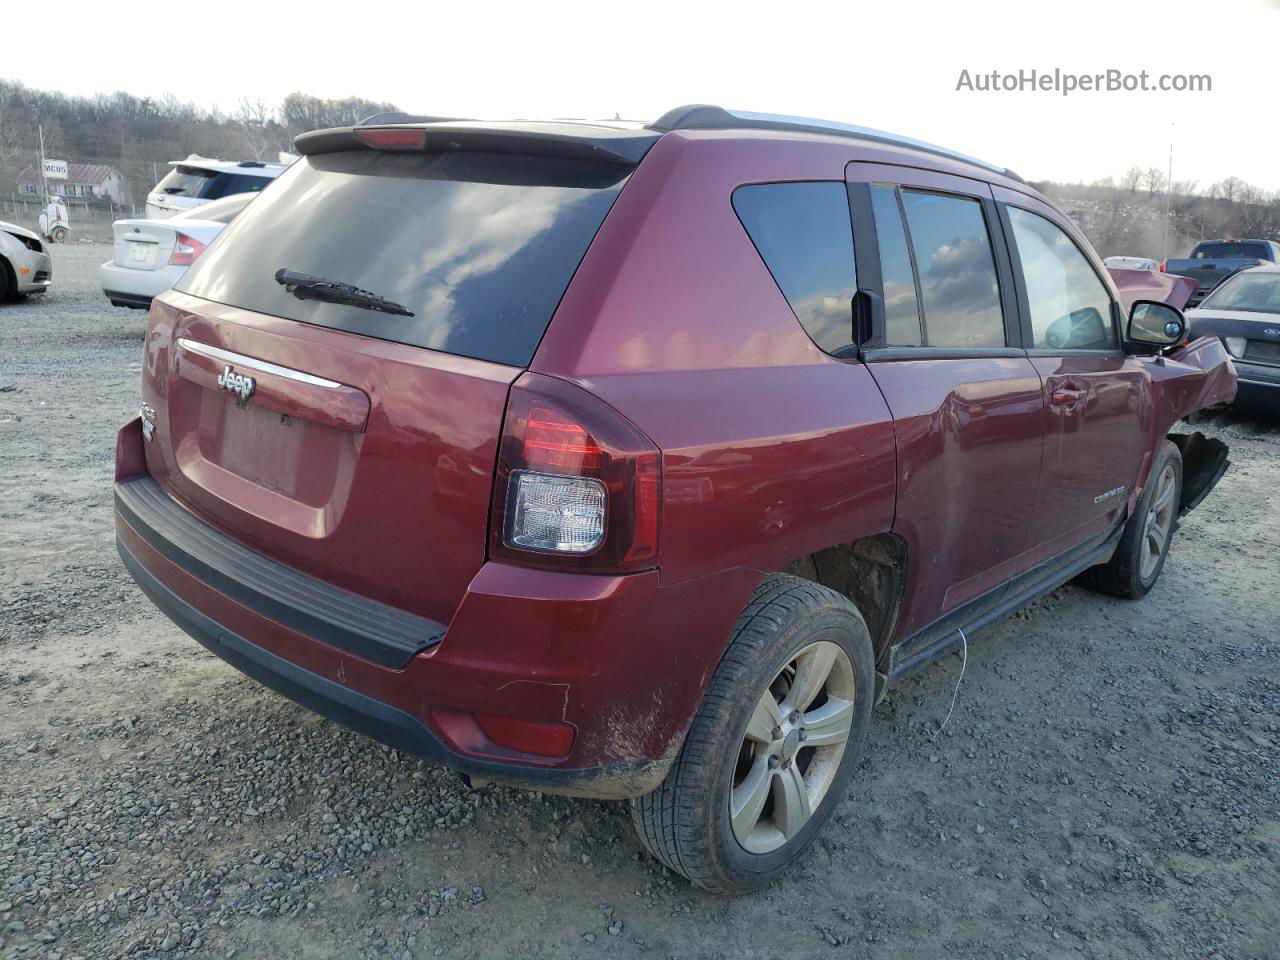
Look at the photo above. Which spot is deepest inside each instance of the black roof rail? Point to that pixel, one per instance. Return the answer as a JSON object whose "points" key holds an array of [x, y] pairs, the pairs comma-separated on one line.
{"points": [[702, 116]]}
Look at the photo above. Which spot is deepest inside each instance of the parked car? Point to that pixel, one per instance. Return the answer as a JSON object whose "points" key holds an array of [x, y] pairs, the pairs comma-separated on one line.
{"points": [[198, 180], [25, 266], [1212, 261], [1131, 263], [580, 457], [1244, 312], [149, 256]]}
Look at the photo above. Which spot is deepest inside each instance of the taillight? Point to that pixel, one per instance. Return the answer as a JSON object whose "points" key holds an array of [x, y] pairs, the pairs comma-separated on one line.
{"points": [[185, 251], [577, 485], [1164, 264], [392, 138]]}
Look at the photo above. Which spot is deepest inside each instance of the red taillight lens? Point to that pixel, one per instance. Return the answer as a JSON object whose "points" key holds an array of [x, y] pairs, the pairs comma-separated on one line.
{"points": [[185, 251], [578, 485], [544, 738], [392, 138], [1164, 264]]}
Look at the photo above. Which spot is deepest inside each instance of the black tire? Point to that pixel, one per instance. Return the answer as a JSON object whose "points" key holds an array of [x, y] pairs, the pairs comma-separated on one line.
{"points": [[6, 280], [1123, 575], [686, 822]]}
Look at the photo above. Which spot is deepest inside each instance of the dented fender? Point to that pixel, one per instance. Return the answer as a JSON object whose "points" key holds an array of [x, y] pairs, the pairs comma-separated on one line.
{"points": [[1191, 378]]}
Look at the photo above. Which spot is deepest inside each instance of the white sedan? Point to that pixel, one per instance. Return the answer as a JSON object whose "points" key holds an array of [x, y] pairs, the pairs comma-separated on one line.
{"points": [[152, 255]]}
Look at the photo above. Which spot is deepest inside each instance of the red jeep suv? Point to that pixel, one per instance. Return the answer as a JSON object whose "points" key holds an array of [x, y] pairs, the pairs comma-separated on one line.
{"points": [[638, 462]]}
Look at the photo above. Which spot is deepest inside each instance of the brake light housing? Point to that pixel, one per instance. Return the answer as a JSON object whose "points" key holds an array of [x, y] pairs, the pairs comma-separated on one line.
{"points": [[1164, 266], [578, 486], [392, 138], [185, 251]]}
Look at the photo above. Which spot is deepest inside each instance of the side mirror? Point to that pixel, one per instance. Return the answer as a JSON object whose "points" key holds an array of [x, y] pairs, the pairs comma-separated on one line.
{"points": [[1155, 324]]}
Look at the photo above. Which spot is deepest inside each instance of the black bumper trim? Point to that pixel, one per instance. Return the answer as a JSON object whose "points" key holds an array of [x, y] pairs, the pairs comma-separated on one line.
{"points": [[375, 719], [369, 629], [134, 301]]}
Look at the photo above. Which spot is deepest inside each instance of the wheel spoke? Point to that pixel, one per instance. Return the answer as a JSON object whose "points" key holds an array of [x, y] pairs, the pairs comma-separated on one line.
{"points": [[1164, 496], [812, 669], [790, 801], [765, 719], [749, 797], [829, 724], [1157, 535]]}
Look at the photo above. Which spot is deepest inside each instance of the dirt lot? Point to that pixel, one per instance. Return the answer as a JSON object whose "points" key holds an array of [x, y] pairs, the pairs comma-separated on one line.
{"points": [[1109, 785]]}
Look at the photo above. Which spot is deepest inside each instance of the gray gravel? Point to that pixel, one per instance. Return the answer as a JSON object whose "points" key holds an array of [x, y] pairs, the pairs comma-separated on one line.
{"points": [[1109, 786]]}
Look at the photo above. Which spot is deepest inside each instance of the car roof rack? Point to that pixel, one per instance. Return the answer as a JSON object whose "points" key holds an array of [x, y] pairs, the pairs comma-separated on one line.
{"points": [[701, 116]]}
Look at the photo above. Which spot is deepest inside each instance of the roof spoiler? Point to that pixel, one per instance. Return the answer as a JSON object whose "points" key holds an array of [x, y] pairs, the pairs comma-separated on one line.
{"points": [[571, 141]]}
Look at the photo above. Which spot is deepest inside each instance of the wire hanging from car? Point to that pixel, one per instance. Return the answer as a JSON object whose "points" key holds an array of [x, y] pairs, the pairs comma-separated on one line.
{"points": [[964, 662]]}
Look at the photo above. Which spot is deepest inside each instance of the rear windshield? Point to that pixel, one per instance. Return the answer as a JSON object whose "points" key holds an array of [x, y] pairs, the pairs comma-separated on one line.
{"points": [[1231, 251], [479, 247], [208, 185]]}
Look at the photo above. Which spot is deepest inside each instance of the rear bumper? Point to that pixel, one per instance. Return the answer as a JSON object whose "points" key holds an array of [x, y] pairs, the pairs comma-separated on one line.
{"points": [[1258, 385], [131, 287], [622, 660]]}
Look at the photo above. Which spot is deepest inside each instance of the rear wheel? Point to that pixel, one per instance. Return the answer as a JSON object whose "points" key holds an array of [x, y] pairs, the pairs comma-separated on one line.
{"points": [[1144, 546], [771, 750], [6, 280], [58, 234]]}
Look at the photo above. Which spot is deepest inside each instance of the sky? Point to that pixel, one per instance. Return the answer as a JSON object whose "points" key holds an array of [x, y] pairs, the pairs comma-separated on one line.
{"points": [[895, 66]]}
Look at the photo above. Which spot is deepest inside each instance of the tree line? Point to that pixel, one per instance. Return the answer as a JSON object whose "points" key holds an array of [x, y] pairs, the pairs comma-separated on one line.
{"points": [[139, 134]]}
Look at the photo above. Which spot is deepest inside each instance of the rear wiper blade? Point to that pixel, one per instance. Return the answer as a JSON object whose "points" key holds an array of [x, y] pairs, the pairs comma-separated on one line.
{"points": [[306, 287]]}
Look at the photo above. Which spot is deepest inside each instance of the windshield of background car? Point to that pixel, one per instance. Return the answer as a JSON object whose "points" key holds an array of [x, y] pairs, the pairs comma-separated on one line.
{"points": [[1230, 251], [1247, 291], [480, 247]]}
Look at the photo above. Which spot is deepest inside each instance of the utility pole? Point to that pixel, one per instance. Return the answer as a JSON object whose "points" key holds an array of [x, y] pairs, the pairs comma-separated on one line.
{"points": [[44, 184]]}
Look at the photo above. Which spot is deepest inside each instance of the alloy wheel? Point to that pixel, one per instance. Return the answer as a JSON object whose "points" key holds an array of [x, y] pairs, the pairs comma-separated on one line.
{"points": [[791, 752], [1159, 521]]}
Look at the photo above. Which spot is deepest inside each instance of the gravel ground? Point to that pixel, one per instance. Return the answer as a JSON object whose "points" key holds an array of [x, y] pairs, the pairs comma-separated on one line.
{"points": [[1108, 787]]}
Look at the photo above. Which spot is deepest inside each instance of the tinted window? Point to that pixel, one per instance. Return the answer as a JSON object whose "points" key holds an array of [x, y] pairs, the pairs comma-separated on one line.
{"points": [[1232, 251], [208, 185], [1070, 307], [803, 234], [957, 270], [1247, 290], [901, 310], [480, 247], [185, 182]]}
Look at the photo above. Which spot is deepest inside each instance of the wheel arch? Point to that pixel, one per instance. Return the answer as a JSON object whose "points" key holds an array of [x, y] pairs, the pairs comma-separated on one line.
{"points": [[871, 571]]}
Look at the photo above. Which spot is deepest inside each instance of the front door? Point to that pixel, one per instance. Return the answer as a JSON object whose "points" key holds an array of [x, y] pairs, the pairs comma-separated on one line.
{"points": [[1093, 395]]}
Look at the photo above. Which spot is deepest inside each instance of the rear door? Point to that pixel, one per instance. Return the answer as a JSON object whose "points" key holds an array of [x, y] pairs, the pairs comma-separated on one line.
{"points": [[1095, 398], [358, 445], [966, 402]]}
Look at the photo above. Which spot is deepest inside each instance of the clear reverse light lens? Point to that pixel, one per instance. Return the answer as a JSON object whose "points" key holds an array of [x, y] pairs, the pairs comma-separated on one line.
{"points": [[1235, 346], [558, 514]]}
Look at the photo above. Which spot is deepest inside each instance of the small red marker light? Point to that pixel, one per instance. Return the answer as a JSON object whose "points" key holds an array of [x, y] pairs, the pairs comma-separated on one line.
{"points": [[393, 138]]}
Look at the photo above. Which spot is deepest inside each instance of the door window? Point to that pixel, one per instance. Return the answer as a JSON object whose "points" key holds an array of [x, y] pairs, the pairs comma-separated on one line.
{"points": [[902, 327], [1069, 305], [957, 270]]}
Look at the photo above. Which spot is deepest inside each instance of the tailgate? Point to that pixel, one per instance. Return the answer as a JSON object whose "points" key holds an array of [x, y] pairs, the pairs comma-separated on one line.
{"points": [[363, 463]]}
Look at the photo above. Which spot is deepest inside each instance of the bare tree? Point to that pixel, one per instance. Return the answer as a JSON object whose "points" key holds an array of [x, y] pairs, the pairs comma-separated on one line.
{"points": [[1154, 178]]}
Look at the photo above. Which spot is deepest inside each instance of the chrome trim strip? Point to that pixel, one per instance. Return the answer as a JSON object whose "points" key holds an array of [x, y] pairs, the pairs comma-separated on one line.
{"points": [[239, 360]]}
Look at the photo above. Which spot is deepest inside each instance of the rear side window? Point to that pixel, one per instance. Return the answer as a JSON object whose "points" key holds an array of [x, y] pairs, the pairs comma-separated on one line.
{"points": [[902, 326], [803, 234], [480, 247], [1070, 308], [957, 270]]}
